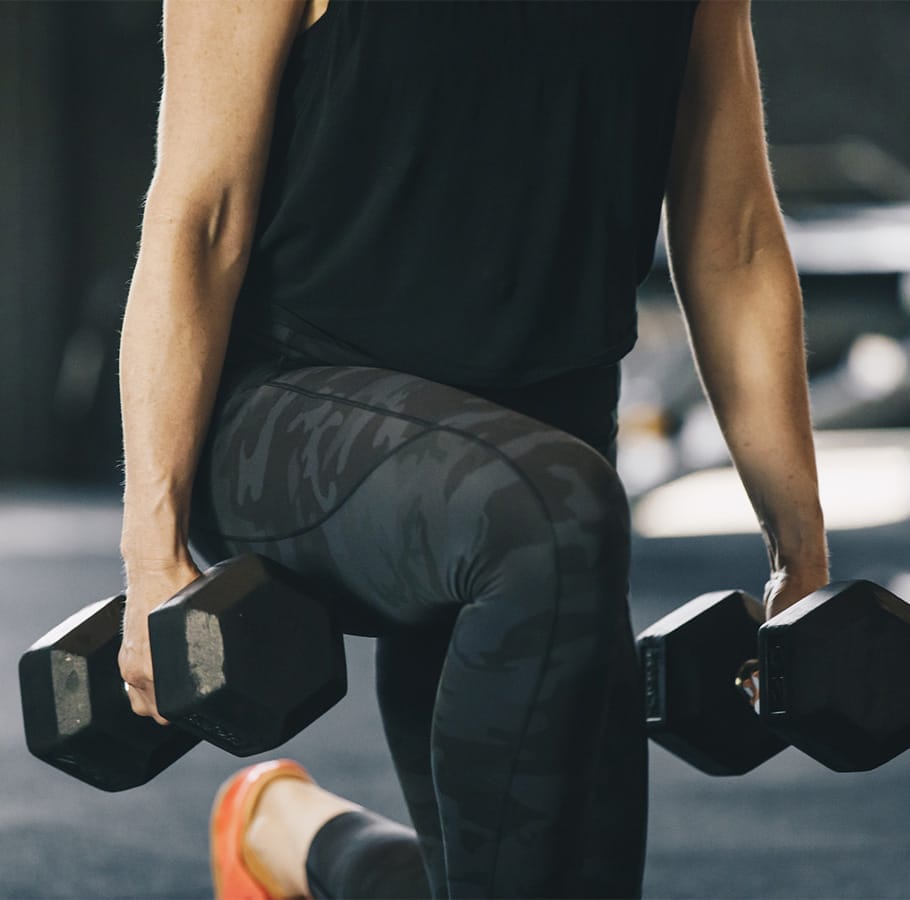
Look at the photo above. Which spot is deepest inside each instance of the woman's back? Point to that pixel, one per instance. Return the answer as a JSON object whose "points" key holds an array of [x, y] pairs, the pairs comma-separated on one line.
{"points": [[466, 191]]}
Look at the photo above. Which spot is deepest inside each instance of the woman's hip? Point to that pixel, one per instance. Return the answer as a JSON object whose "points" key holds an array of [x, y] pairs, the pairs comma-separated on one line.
{"points": [[398, 494]]}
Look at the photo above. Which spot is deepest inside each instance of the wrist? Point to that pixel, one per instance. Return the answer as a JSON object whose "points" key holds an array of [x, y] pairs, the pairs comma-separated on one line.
{"points": [[149, 583], [798, 542], [808, 566], [809, 561], [155, 548]]}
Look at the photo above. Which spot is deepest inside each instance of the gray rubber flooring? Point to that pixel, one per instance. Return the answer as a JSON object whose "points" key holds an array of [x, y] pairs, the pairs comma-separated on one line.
{"points": [[789, 829]]}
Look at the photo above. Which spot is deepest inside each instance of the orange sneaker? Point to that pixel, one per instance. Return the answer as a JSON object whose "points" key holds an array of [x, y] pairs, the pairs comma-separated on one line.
{"points": [[236, 872]]}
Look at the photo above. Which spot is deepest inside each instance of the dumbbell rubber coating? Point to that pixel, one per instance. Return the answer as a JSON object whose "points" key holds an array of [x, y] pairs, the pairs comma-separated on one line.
{"points": [[688, 660], [76, 713], [831, 675], [243, 657]]}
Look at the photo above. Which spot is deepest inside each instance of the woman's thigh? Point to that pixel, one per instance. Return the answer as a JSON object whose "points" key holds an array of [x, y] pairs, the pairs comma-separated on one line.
{"points": [[391, 493]]}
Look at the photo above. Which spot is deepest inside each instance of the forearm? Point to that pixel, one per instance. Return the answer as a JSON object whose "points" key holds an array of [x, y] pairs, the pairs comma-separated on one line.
{"points": [[746, 329], [173, 342]]}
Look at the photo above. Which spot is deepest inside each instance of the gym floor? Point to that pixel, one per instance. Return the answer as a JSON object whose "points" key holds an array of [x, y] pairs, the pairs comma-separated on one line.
{"points": [[790, 829]]}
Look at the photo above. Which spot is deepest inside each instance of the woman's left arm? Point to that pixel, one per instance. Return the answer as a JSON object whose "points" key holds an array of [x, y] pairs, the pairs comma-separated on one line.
{"points": [[740, 295]]}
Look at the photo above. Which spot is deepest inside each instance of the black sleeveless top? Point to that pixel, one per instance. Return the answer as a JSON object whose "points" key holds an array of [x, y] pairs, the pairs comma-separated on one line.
{"points": [[468, 191]]}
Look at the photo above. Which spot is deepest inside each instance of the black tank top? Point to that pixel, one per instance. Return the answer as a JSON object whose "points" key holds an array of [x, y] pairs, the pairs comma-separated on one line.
{"points": [[468, 191]]}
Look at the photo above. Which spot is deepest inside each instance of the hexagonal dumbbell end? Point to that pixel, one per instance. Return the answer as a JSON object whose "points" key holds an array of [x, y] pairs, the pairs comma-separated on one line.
{"points": [[76, 713], [832, 668], [245, 657], [689, 661]]}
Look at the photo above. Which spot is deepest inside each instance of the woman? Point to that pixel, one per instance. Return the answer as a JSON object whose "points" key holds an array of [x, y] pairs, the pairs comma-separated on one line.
{"points": [[387, 272]]}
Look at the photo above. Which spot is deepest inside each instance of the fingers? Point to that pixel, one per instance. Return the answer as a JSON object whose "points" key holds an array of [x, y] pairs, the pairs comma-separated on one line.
{"points": [[135, 664], [747, 682], [142, 700], [147, 586]]}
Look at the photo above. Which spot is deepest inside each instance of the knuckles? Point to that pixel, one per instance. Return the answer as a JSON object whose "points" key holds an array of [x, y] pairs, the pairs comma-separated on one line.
{"points": [[136, 677], [134, 670]]}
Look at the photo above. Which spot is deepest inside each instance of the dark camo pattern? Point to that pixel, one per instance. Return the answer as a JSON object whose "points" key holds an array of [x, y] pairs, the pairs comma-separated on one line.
{"points": [[489, 552]]}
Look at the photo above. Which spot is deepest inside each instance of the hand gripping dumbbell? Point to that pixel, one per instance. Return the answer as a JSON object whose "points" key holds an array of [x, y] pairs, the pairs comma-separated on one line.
{"points": [[244, 657], [830, 670]]}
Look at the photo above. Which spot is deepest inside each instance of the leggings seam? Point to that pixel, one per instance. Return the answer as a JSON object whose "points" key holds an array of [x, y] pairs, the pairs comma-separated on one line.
{"points": [[534, 490], [431, 427], [429, 423], [536, 693]]}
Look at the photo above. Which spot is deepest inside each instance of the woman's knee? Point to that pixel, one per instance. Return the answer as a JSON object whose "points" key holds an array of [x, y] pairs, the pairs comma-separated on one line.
{"points": [[549, 504]]}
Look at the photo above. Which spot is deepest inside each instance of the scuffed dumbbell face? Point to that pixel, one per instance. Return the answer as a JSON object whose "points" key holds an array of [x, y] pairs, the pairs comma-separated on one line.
{"points": [[832, 671], [77, 715], [689, 660], [244, 658]]}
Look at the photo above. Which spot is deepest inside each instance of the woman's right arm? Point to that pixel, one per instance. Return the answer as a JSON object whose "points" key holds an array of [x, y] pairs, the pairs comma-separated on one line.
{"points": [[223, 64]]}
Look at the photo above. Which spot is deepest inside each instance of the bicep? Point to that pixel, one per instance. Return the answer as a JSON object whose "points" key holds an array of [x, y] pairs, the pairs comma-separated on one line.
{"points": [[222, 67], [720, 201]]}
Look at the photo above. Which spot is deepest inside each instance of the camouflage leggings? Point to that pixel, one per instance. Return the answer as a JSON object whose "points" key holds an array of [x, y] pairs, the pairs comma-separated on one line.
{"points": [[488, 552]]}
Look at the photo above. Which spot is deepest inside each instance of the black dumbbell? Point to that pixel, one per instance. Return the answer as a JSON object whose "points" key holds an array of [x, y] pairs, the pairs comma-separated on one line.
{"points": [[831, 675], [829, 669], [693, 708], [244, 657], [77, 715]]}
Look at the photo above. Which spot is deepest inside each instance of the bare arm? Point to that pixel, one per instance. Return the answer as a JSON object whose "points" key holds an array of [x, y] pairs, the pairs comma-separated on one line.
{"points": [[223, 63], [740, 294]]}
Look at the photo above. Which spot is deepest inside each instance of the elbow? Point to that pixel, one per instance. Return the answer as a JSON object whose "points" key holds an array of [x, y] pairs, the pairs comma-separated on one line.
{"points": [[217, 222], [756, 231], [746, 242], [228, 228]]}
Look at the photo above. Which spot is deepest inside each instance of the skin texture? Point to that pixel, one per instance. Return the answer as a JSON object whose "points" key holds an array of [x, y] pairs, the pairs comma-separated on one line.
{"points": [[739, 293], [733, 273], [223, 64]]}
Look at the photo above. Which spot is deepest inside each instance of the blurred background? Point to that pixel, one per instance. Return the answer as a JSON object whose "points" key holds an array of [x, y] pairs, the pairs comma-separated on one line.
{"points": [[79, 84]]}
